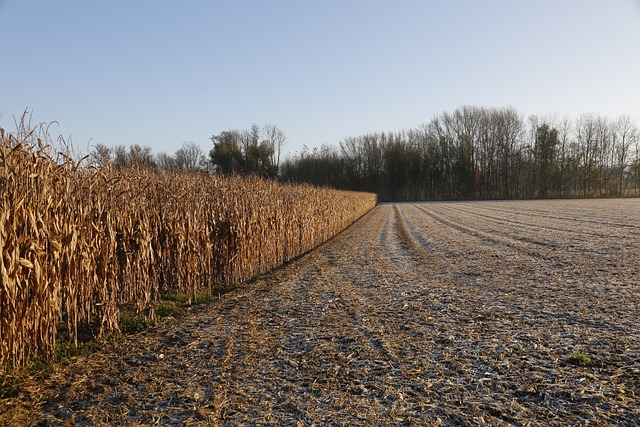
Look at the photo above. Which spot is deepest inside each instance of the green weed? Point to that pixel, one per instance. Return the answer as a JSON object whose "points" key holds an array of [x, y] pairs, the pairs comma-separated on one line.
{"points": [[132, 322], [580, 359], [8, 387]]}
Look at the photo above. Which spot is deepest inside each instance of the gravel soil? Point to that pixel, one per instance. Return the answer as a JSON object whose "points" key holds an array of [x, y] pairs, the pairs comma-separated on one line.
{"points": [[444, 314]]}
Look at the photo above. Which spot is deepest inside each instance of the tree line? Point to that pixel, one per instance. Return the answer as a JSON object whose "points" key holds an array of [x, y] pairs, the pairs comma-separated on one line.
{"points": [[256, 151], [472, 153], [482, 153]]}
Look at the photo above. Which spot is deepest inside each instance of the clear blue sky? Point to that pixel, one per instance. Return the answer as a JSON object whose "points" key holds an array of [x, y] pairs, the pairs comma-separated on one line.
{"points": [[159, 73]]}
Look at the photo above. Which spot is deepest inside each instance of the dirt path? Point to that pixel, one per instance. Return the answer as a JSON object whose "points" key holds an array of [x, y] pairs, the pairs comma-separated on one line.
{"points": [[420, 314]]}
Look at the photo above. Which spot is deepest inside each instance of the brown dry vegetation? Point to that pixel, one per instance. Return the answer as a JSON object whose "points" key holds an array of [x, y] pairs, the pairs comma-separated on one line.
{"points": [[456, 314], [79, 244]]}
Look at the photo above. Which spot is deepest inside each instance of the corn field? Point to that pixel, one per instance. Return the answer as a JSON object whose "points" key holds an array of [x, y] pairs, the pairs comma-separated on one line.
{"points": [[79, 243]]}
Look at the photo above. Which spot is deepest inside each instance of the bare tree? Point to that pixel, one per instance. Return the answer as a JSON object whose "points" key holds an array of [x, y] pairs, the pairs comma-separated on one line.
{"points": [[635, 165], [120, 157], [564, 131], [509, 128], [141, 156], [101, 155], [626, 133], [166, 162], [586, 129], [278, 139], [188, 158]]}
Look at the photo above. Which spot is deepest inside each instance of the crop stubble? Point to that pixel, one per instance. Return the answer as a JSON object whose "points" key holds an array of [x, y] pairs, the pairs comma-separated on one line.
{"points": [[419, 314]]}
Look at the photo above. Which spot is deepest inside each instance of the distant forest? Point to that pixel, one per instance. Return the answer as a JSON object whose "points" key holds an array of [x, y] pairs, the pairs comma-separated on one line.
{"points": [[473, 153], [478, 153]]}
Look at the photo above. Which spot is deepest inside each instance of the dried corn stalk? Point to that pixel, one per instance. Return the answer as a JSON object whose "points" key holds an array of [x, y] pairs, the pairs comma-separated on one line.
{"points": [[79, 243]]}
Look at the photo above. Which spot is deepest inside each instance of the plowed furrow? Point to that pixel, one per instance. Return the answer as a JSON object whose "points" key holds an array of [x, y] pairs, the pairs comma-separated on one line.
{"points": [[572, 215]]}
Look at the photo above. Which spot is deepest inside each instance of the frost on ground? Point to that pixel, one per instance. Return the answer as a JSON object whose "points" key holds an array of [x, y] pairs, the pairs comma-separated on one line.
{"points": [[452, 314]]}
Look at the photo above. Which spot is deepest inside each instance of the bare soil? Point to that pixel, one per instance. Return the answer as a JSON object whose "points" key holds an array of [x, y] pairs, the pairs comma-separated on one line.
{"points": [[450, 314]]}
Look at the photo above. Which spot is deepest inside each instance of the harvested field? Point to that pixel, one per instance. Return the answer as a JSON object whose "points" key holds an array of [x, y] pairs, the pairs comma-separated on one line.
{"points": [[450, 314]]}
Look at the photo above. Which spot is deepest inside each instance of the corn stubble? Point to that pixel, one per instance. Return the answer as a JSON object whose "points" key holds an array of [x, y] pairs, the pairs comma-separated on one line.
{"points": [[80, 243]]}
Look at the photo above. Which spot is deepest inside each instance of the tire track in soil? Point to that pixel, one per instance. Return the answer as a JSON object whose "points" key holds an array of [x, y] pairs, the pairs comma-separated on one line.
{"points": [[566, 252], [567, 243], [386, 324], [523, 226], [568, 238], [513, 258], [524, 246], [577, 221], [467, 252], [563, 254]]}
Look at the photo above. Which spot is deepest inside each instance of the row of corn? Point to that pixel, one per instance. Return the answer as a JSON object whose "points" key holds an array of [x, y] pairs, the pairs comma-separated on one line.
{"points": [[80, 243]]}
